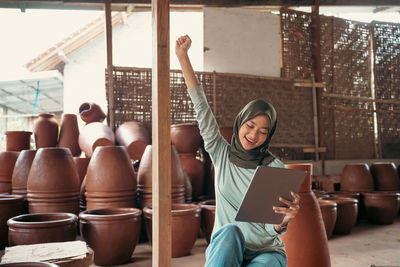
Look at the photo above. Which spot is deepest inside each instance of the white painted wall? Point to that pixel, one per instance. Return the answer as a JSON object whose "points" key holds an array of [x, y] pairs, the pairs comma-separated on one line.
{"points": [[242, 41]]}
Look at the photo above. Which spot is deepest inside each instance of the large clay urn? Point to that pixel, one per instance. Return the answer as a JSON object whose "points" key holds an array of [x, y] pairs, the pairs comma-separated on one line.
{"points": [[385, 176], [93, 135], [347, 209], [111, 233], [356, 178], [53, 182], [185, 227], [207, 218], [306, 240], [69, 134], [329, 215], [185, 137], [21, 172], [91, 112], [381, 207], [10, 206], [7, 163], [226, 132], [45, 129], [18, 140], [81, 165], [134, 136], [110, 179], [42, 228], [195, 170]]}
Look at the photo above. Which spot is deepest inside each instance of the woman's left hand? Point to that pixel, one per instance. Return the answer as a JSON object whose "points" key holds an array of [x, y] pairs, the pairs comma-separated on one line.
{"points": [[290, 211]]}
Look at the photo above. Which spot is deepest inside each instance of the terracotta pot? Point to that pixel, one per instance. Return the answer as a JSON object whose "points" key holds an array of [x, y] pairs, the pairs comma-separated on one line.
{"points": [[207, 218], [69, 134], [7, 163], [93, 135], [185, 225], [28, 264], [91, 112], [21, 172], [42, 228], [111, 233], [347, 209], [307, 226], [53, 182], [226, 132], [18, 140], [385, 176], [320, 193], [10, 206], [45, 129], [110, 179], [81, 165], [195, 170], [356, 195], [329, 215], [186, 137], [356, 178], [134, 136], [188, 188], [381, 207]]}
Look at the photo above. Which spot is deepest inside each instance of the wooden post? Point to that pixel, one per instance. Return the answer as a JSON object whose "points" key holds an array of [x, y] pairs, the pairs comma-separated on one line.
{"points": [[161, 169], [316, 135], [108, 40]]}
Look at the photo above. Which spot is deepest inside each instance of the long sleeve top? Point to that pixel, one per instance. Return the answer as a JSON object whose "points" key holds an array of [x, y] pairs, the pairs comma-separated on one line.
{"points": [[231, 181]]}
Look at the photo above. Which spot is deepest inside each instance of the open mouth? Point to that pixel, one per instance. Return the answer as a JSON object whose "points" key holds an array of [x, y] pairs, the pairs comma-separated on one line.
{"points": [[249, 141]]}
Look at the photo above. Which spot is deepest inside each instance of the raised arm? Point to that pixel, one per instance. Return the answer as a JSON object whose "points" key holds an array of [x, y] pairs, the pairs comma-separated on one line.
{"points": [[182, 46]]}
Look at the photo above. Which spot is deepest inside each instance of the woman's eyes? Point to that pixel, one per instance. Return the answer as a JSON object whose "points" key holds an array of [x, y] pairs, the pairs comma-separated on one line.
{"points": [[249, 126]]}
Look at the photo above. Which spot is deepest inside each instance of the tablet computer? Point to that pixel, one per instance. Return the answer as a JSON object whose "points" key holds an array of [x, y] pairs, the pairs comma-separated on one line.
{"points": [[267, 185]]}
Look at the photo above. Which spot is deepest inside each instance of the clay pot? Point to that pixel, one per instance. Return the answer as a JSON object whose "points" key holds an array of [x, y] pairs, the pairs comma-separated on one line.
{"points": [[93, 135], [356, 178], [45, 129], [21, 172], [110, 179], [186, 137], [185, 226], [28, 264], [226, 132], [329, 215], [307, 226], [207, 218], [188, 188], [195, 170], [208, 172], [10, 206], [134, 136], [53, 182], [111, 233], [320, 193], [385, 176], [91, 112], [69, 134], [347, 209], [381, 207], [7, 163], [81, 165], [18, 140], [42, 228]]}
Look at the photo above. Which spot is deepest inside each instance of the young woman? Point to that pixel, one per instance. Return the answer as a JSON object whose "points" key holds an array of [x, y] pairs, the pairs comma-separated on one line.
{"points": [[238, 243]]}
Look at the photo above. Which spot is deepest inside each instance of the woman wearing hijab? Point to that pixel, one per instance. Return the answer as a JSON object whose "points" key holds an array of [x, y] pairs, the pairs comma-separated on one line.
{"points": [[236, 243]]}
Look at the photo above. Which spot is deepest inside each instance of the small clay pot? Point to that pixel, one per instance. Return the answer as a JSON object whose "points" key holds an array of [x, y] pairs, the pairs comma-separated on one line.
{"points": [[69, 134], [226, 132], [10, 206], [385, 176], [356, 178], [186, 137], [381, 207], [81, 165], [207, 218], [42, 228], [329, 215], [134, 136], [45, 129], [18, 140], [347, 209], [195, 170], [111, 233], [93, 135], [7, 163], [91, 112], [28, 264]]}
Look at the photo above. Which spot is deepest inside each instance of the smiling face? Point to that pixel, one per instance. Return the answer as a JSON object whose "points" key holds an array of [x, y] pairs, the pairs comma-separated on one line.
{"points": [[254, 132]]}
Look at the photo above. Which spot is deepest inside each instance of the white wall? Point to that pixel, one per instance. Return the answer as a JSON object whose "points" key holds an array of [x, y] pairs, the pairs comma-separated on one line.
{"points": [[242, 41]]}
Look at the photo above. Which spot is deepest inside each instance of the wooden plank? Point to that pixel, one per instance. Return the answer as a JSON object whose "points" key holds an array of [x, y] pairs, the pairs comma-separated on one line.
{"points": [[313, 150], [161, 169], [309, 84], [315, 113], [108, 40], [108, 31], [363, 99]]}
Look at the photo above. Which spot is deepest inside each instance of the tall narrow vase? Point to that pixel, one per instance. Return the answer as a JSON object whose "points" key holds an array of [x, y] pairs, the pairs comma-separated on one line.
{"points": [[45, 129], [69, 134]]}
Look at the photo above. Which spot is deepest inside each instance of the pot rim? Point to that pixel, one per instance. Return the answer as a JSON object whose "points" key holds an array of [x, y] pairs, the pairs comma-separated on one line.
{"points": [[10, 198], [177, 125], [327, 202], [190, 209], [61, 218], [104, 215], [28, 263], [19, 132], [342, 199], [380, 193]]}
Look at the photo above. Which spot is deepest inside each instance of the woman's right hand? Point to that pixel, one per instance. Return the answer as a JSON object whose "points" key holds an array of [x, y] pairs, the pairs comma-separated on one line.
{"points": [[182, 45]]}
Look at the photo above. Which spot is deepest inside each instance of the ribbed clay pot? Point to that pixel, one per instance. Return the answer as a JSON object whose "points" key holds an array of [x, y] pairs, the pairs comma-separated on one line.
{"points": [[42, 228], [18, 140], [134, 136], [110, 179], [185, 226], [385, 176], [381, 207], [356, 178], [21, 172], [226, 132], [347, 209], [329, 215], [69, 134], [93, 135], [45, 129], [91, 112], [111, 233], [53, 182], [186, 137], [207, 218], [145, 178], [10, 206], [7, 163], [195, 170], [308, 227], [28, 264], [81, 165]]}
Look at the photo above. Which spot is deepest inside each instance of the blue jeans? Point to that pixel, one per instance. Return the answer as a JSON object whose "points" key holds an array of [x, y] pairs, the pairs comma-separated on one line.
{"points": [[226, 249]]}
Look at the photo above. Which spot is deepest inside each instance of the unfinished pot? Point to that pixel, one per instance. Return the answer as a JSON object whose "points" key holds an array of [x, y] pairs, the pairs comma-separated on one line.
{"points": [[185, 226], [385, 176], [356, 177], [381, 207], [111, 233], [207, 218], [18, 140], [93, 135], [91, 112], [329, 215], [81, 165], [185, 137], [226, 132], [195, 170], [7, 163], [42, 228], [45, 129], [69, 134], [134, 136], [10, 206]]}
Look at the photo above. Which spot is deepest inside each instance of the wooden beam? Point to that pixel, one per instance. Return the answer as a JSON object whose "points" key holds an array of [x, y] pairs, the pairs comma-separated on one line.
{"points": [[161, 169], [108, 31], [108, 43]]}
